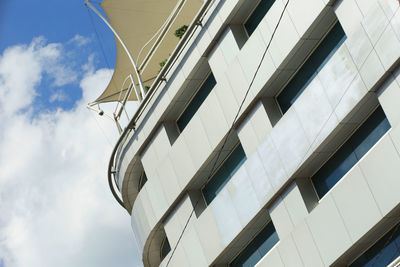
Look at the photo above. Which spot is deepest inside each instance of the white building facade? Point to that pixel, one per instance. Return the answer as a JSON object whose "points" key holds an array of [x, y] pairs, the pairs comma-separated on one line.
{"points": [[272, 140]]}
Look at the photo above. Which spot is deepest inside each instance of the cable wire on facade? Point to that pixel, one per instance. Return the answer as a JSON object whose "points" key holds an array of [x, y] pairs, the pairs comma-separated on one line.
{"points": [[231, 128]]}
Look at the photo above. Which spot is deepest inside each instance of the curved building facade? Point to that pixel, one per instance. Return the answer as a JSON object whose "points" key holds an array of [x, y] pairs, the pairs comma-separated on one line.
{"points": [[273, 139]]}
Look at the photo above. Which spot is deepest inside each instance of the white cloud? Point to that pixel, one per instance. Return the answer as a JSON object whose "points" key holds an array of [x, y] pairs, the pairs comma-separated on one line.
{"points": [[56, 208], [79, 40], [58, 96]]}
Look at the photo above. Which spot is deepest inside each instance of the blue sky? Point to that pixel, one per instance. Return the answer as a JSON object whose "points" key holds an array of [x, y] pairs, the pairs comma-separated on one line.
{"points": [[55, 205], [57, 21]]}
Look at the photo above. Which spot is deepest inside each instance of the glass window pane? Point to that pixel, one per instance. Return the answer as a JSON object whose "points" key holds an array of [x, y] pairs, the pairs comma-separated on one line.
{"points": [[310, 68], [382, 253], [334, 169], [351, 152], [165, 249], [196, 102], [223, 174], [370, 132], [257, 248], [257, 15]]}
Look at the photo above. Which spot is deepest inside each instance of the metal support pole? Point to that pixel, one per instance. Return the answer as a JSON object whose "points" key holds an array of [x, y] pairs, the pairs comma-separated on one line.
{"points": [[87, 3]]}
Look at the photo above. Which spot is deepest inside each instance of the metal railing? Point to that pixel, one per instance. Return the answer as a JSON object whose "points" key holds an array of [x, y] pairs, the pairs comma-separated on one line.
{"points": [[153, 89]]}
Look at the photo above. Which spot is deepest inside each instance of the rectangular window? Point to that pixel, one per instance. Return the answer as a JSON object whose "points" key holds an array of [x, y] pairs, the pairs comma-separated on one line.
{"points": [[332, 41], [196, 101], [350, 152], [257, 248], [384, 252], [225, 172], [258, 14]]}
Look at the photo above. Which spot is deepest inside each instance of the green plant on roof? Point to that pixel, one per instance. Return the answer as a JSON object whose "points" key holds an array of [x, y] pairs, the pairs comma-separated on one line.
{"points": [[181, 31], [162, 63]]}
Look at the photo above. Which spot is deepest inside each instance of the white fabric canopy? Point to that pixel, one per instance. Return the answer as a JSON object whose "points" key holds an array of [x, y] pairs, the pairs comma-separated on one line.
{"points": [[136, 21]]}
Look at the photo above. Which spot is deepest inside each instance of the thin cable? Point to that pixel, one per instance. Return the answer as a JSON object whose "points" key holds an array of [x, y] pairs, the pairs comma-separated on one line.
{"points": [[101, 129], [231, 128]]}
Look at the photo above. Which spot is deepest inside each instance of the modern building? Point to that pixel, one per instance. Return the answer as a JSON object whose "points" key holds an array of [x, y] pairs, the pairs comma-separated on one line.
{"points": [[270, 137]]}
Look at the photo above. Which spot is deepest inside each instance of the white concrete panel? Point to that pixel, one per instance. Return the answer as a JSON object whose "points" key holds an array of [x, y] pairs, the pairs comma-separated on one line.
{"points": [[384, 180], [251, 53], [272, 162], [304, 13], [388, 48], [259, 178], [337, 75], [169, 180], [328, 230], [156, 197], [389, 7], [306, 246], [272, 258], [237, 80], [192, 57], [359, 45], [374, 22], [247, 136], [281, 219], [313, 109], [228, 45], [356, 204], [349, 15], [353, 94], [291, 141], [227, 100], [182, 161], [285, 37], [197, 141], [217, 62], [294, 204], [372, 70], [161, 144], [260, 122], [243, 196], [173, 228], [225, 216], [366, 5], [395, 22], [207, 230], [213, 119], [288, 252], [389, 99], [148, 209], [193, 249], [202, 42]]}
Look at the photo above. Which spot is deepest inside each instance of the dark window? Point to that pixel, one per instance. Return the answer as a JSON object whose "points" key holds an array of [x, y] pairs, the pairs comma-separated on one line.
{"points": [[258, 14], [257, 248], [351, 152], [142, 181], [224, 174], [311, 67], [165, 248], [386, 250], [196, 102]]}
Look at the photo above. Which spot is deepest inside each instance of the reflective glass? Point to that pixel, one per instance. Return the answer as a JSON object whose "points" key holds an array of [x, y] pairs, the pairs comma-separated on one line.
{"points": [[311, 67], [196, 102], [142, 181], [165, 249], [257, 15], [257, 248], [224, 174], [383, 252], [351, 152]]}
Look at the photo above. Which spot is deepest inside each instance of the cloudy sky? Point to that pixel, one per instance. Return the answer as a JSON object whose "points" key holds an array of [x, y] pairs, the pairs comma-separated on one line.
{"points": [[55, 205]]}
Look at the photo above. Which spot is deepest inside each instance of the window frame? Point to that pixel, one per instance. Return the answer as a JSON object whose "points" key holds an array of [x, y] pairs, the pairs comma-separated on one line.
{"points": [[191, 99], [250, 14], [252, 238], [217, 169], [373, 244], [339, 147], [302, 64]]}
